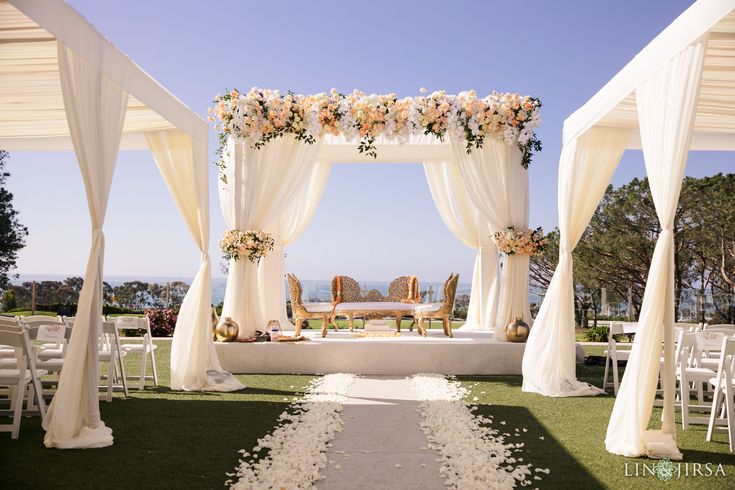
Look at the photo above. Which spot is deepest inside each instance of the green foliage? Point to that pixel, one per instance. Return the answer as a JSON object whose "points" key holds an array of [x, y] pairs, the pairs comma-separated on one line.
{"points": [[596, 334], [8, 300], [12, 233], [616, 249]]}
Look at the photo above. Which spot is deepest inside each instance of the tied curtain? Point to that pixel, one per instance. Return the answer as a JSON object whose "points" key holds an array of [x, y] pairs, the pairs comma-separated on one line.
{"points": [[461, 217], [286, 229], [586, 166], [666, 109], [182, 162], [260, 185], [497, 185], [95, 110]]}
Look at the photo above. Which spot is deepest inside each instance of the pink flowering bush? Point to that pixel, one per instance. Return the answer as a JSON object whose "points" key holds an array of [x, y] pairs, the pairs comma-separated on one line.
{"points": [[163, 321]]}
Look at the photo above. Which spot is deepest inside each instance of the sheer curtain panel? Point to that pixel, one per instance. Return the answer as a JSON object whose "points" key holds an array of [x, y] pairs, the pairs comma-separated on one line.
{"points": [[95, 111], [286, 229], [182, 162], [497, 184], [260, 185], [463, 220], [585, 169], [666, 107]]}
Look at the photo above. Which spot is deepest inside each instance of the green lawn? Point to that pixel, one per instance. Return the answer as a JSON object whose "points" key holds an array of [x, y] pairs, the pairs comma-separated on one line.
{"points": [[166, 439], [163, 438], [573, 431], [29, 312]]}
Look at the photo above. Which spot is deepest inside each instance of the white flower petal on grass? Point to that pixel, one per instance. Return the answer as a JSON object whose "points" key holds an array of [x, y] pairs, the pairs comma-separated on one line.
{"points": [[473, 455], [296, 450]]}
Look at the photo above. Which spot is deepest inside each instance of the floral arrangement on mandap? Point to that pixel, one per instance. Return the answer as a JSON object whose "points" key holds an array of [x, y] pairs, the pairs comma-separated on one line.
{"points": [[261, 115], [523, 242], [251, 244]]}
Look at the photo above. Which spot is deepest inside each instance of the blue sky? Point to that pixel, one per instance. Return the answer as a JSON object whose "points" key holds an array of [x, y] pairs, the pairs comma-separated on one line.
{"points": [[375, 221]]}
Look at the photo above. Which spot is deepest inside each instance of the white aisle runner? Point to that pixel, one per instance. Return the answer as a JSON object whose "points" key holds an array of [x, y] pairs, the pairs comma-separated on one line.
{"points": [[381, 444]]}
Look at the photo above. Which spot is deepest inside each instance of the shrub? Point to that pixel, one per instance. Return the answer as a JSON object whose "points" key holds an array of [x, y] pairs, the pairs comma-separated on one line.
{"points": [[596, 334], [8, 300], [163, 321]]}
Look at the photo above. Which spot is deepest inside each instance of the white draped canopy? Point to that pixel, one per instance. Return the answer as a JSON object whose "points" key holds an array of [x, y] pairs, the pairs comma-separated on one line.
{"points": [[64, 86], [475, 194], [676, 95]]}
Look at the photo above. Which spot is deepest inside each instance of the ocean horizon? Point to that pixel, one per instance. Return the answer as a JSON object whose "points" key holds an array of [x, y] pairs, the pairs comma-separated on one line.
{"points": [[314, 289]]}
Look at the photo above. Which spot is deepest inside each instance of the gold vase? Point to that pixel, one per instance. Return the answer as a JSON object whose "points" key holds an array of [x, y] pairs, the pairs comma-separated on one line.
{"points": [[517, 331], [227, 330], [214, 322]]}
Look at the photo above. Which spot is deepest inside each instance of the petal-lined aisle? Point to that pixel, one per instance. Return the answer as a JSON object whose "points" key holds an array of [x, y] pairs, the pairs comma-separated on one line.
{"points": [[374, 432], [381, 444], [296, 449]]}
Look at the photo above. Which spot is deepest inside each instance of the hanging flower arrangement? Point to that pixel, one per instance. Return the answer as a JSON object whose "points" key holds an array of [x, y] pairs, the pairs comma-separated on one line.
{"points": [[523, 242], [261, 115], [250, 244]]}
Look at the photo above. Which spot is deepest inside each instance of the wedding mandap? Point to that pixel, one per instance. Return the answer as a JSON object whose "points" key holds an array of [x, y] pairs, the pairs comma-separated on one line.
{"points": [[275, 155]]}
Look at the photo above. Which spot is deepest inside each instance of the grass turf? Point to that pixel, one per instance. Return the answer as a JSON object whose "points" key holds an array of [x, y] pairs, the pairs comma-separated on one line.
{"points": [[163, 438], [166, 439], [573, 431]]}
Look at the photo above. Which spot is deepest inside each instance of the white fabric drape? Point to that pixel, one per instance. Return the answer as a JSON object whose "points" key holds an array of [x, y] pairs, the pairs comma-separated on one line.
{"points": [[666, 105], [261, 184], [497, 184], [286, 229], [183, 165], [462, 218], [95, 111], [585, 169]]}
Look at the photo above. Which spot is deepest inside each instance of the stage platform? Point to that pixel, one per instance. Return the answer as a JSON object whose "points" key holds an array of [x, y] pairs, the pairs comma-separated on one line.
{"points": [[343, 352]]}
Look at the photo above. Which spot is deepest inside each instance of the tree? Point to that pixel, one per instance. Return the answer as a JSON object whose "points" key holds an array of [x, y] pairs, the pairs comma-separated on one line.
{"points": [[616, 249], [12, 232]]}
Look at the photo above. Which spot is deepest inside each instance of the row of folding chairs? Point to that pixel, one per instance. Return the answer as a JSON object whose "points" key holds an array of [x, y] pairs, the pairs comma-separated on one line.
{"points": [[47, 345], [705, 369], [620, 351]]}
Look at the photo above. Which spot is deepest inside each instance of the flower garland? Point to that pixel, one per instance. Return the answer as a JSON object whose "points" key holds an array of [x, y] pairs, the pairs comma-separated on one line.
{"points": [[253, 244], [296, 450], [516, 241], [473, 454], [261, 115]]}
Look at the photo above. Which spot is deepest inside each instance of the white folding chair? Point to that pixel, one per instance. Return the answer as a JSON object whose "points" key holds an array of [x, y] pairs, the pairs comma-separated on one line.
{"points": [[615, 353], [20, 376], [146, 348], [723, 417], [50, 360], [692, 375], [48, 349], [111, 353], [7, 354]]}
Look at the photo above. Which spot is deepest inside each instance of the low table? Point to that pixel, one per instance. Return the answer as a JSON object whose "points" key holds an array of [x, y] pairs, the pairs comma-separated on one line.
{"points": [[396, 309]]}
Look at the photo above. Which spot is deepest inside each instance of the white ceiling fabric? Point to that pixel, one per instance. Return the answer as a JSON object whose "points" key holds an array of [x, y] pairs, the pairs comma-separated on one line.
{"points": [[31, 105], [615, 106]]}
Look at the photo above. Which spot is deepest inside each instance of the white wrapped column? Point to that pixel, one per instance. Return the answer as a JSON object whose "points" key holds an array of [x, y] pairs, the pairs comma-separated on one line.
{"points": [[464, 221], [666, 108], [95, 110], [261, 184], [586, 166]]}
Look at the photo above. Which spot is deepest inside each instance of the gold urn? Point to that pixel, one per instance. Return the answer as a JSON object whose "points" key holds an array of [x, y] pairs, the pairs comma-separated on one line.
{"points": [[517, 331], [227, 330]]}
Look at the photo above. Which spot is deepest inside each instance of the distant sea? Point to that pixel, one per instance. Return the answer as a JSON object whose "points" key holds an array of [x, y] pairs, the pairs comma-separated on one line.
{"points": [[314, 289]]}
